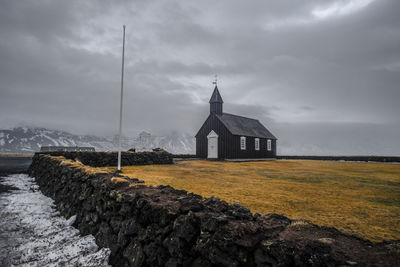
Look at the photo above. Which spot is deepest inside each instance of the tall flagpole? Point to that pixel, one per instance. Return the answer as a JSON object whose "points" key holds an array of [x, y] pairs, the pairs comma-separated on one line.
{"points": [[120, 107]]}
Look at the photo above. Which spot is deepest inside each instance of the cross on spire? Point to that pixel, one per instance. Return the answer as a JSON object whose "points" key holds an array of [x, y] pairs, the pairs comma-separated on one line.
{"points": [[215, 80]]}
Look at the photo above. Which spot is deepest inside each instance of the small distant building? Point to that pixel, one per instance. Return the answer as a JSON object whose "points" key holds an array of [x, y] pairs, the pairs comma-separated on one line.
{"points": [[228, 136], [66, 148], [144, 136]]}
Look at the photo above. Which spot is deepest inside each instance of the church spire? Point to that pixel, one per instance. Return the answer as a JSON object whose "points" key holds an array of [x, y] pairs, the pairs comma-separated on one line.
{"points": [[216, 96], [216, 100]]}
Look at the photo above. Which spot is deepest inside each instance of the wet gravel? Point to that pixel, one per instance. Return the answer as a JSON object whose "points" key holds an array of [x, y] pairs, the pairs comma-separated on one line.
{"points": [[32, 232]]}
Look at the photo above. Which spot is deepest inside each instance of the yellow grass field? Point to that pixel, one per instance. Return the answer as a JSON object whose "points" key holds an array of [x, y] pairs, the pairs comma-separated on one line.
{"points": [[357, 198]]}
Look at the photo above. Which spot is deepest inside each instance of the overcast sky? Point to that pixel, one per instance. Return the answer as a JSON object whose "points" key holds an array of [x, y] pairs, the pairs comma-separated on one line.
{"points": [[323, 76]]}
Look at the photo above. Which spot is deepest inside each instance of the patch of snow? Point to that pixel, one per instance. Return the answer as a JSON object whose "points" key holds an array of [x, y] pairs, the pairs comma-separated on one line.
{"points": [[2, 142], [51, 139], [71, 220], [32, 232]]}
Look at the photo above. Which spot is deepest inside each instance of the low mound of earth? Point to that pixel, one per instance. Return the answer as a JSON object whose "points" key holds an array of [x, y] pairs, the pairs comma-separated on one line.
{"points": [[162, 226]]}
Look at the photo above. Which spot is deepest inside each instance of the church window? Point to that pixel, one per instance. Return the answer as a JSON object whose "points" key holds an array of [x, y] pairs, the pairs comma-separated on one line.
{"points": [[257, 144], [243, 143]]}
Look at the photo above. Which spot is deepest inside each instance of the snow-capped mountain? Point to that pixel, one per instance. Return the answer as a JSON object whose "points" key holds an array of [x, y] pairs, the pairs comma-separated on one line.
{"points": [[29, 140], [175, 142]]}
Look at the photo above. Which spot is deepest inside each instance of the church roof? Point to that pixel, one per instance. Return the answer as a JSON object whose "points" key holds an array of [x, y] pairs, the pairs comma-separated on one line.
{"points": [[216, 96], [239, 125]]}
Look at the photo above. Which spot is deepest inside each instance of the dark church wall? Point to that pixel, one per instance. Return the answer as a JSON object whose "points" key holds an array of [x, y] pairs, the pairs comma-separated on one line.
{"points": [[236, 153], [212, 123], [228, 144], [216, 108]]}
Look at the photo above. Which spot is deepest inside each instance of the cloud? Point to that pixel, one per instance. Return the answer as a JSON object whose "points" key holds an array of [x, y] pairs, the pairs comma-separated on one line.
{"points": [[283, 62], [340, 8]]}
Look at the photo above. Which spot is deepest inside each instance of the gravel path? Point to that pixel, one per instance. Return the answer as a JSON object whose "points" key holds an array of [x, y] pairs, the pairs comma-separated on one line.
{"points": [[32, 232]]}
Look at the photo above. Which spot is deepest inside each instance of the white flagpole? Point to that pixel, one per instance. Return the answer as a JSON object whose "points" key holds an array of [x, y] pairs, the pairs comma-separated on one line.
{"points": [[120, 107]]}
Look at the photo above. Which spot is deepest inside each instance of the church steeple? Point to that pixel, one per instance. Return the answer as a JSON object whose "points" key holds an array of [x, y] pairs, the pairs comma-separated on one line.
{"points": [[216, 102]]}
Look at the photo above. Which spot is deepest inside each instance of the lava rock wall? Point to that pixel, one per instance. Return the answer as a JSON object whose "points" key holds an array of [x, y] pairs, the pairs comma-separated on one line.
{"points": [[162, 226], [344, 158], [102, 159], [185, 156]]}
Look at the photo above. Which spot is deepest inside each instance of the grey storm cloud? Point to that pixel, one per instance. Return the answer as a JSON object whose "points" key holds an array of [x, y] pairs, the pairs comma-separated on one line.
{"points": [[314, 72]]}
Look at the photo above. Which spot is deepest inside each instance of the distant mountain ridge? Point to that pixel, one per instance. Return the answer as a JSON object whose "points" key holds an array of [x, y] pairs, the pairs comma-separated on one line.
{"points": [[29, 140]]}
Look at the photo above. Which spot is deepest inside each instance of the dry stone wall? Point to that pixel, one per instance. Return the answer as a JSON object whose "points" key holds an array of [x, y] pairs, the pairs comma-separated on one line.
{"points": [[162, 226], [101, 159], [344, 158], [185, 156]]}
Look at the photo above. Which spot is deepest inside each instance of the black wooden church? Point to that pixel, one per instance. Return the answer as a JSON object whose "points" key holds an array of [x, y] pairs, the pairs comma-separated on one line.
{"points": [[228, 136]]}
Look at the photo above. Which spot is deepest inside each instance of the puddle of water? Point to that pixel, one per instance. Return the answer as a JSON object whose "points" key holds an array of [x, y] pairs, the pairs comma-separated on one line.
{"points": [[33, 233]]}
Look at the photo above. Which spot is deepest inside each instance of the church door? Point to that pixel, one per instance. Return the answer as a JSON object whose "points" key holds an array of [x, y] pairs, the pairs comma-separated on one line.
{"points": [[212, 145]]}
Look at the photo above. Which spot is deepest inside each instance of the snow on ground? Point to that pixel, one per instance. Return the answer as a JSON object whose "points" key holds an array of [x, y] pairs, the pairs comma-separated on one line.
{"points": [[32, 232]]}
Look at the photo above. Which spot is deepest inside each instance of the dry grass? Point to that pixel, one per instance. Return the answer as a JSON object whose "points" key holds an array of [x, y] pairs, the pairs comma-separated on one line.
{"points": [[119, 180], [357, 198], [79, 165]]}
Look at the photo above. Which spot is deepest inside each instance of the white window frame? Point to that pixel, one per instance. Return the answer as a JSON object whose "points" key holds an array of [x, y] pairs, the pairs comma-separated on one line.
{"points": [[257, 144], [243, 143], [269, 144]]}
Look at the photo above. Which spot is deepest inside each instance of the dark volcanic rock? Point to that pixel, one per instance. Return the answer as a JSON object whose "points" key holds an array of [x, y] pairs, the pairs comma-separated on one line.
{"points": [[101, 159]]}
